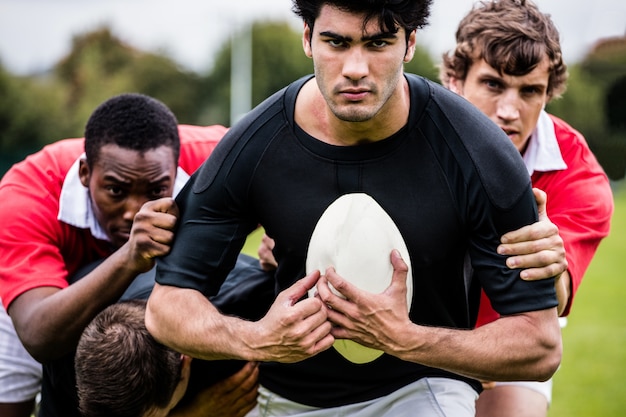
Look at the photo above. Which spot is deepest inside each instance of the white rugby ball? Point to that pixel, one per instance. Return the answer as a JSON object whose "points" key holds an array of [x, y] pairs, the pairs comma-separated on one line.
{"points": [[356, 236]]}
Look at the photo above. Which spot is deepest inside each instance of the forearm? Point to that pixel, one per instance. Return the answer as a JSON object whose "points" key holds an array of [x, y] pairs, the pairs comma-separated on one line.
{"points": [[186, 321], [520, 347], [50, 320]]}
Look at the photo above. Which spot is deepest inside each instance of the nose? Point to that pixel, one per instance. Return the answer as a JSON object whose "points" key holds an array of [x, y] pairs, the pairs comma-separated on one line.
{"points": [[132, 206], [508, 106], [355, 66]]}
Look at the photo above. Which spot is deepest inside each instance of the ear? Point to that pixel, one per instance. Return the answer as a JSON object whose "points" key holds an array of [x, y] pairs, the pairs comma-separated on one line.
{"points": [[185, 370], [306, 41], [410, 47], [455, 85], [84, 173]]}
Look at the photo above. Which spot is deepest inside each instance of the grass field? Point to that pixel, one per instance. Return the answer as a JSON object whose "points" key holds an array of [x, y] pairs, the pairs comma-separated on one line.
{"points": [[591, 379]]}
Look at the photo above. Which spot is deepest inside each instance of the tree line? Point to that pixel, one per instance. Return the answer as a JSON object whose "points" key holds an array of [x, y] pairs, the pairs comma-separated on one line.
{"points": [[39, 109]]}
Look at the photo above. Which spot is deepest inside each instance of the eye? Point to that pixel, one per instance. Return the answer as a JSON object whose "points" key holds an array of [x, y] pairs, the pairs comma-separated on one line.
{"points": [[492, 84], [336, 43], [379, 43], [532, 91], [158, 192], [115, 191]]}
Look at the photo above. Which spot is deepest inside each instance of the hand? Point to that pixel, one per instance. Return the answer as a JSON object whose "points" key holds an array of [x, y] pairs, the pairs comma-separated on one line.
{"points": [[536, 248], [294, 329], [234, 396], [378, 321], [266, 256], [152, 232], [488, 384]]}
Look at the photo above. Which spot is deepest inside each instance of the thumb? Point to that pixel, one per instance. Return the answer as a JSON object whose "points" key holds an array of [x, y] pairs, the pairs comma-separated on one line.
{"points": [[400, 269], [541, 198]]}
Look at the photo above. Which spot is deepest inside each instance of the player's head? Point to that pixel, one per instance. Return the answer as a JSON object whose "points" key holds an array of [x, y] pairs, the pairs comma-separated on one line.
{"points": [[513, 37], [508, 63], [389, 14], [121, 371], [132, 148], [131, 121]]}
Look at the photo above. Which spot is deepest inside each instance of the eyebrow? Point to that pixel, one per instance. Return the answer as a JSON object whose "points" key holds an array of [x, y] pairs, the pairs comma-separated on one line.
{"points": [[373, 37], [116, 179]]}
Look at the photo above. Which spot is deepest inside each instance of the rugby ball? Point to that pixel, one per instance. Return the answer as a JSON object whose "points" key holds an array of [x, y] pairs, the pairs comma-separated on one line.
{"points": [[356, 236]]}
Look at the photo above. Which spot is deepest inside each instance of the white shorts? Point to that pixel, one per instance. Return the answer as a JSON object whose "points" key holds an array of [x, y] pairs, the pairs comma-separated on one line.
{"points": [[426, 397], [543, 388], [20, 374]]}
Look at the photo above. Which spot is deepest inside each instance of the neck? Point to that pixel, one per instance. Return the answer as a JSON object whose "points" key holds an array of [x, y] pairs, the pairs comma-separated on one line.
{"points": [[315, 117]]}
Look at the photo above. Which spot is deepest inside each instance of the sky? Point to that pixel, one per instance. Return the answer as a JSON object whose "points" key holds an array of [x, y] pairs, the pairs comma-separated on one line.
{"points": [[35, 34]]}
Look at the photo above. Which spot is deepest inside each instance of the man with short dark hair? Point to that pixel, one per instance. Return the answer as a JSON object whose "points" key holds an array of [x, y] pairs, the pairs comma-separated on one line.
{"points": [[364, 177]]}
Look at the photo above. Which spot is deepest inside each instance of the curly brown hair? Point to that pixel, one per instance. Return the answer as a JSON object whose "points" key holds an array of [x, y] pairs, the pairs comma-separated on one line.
{"points": [[512, 36]]}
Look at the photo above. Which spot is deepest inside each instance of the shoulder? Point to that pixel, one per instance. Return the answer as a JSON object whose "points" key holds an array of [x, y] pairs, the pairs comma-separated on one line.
{"points": [[197, 143], [462, 135], [50, 163]]}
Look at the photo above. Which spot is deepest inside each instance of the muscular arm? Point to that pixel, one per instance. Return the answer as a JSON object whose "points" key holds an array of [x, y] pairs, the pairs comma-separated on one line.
{"points": [[524, 346], [50, 320], [291, 331]]}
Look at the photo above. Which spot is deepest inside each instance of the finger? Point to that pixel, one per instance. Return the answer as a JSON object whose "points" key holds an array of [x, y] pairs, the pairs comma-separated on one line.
{"points": [[163, 205], [535, 274], [541, 199], [246, 376], [400, 269], [291, 295], [541, 234], [488, 384]]}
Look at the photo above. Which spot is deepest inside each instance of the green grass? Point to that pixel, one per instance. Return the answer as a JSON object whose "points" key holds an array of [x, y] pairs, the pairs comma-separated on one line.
{"points": [[591, 379]]}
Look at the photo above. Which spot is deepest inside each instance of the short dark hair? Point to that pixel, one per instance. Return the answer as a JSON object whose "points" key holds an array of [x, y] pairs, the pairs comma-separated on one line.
{"points": [[391, 14], [121, 370], [132, 121], [513, 36]]}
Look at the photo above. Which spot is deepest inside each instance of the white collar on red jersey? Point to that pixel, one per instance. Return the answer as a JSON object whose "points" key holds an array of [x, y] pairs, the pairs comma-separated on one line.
{"points": [[543, 152]]}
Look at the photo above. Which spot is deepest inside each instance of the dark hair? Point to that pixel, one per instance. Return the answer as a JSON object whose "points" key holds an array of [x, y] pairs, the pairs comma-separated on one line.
{"points": [[391, 14], [121, 371], [512, 36], [131, 121]]}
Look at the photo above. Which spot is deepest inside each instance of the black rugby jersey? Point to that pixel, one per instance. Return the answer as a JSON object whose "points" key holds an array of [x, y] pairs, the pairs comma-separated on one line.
{"points": [[450, 179]]}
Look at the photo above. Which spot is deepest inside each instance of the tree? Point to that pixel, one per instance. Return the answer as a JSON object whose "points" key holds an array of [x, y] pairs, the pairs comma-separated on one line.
{"points": [[30, 116], [277, 60], [594, 103], [100, 65]]}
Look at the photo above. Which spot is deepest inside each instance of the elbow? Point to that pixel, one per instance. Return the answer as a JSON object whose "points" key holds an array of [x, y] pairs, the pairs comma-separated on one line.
{"points": [[551, 359], [41, 351], [154, 322]]}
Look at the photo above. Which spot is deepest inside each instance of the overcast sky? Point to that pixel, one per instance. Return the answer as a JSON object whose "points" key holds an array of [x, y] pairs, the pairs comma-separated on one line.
{"points": [[35, 34]]}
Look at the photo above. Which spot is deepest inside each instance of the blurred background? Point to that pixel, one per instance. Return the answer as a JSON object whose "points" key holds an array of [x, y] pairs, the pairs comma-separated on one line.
{"points": [[211, 61], [60, 58]]}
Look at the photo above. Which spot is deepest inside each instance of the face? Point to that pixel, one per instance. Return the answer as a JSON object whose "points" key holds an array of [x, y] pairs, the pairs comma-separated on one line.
{"points": [[358, 71], [512, 102], [122, 180]]}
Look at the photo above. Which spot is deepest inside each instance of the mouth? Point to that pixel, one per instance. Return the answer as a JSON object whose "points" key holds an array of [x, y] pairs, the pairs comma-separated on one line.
{"points": [[122, 234], [509, 132], [354, 94]]}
